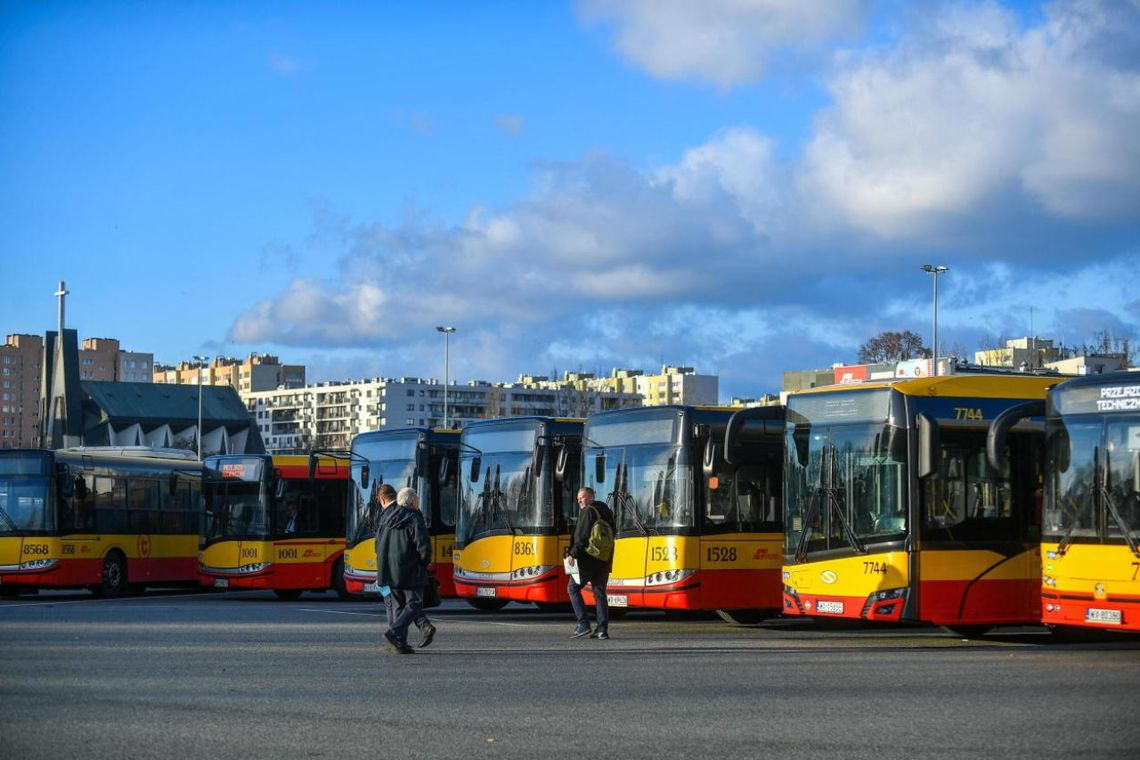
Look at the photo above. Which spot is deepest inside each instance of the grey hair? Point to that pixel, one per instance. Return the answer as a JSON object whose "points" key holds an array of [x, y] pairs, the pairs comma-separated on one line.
{"points": [[407, 497]]}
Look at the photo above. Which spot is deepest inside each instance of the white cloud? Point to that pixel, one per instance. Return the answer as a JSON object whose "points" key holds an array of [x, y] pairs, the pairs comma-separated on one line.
{"points": [[724, 42], [970, 108]]}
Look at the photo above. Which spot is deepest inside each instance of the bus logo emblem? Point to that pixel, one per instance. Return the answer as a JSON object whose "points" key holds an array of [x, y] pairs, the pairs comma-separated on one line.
{"points": [[828, 576], [1098, 591]]}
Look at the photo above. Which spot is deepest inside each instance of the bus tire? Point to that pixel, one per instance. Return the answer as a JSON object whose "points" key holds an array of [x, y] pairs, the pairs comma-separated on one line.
{"points": [[113, 579], [487, 605], [288, 594], [745, 617], [967, 631], [338, 581]]}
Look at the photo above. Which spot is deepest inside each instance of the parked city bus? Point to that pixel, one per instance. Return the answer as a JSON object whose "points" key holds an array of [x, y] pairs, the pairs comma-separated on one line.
{"points": [[1090, 544], [697, 502], [517, 505], [419, 458], [270, 523], [894, 513], [108, 519]]}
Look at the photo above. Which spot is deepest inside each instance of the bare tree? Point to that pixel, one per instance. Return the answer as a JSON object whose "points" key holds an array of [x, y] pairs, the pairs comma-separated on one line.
{"points": [[891, 346]]}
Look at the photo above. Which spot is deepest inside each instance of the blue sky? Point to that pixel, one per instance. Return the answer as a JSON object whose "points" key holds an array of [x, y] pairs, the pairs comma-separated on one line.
{"points": [[745, 186]]}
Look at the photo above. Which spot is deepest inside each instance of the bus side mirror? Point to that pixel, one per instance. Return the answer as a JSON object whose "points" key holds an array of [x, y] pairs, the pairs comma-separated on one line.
{"points": [[476, 465], [561, 462], [800, 437], [928, 445], [278, 485], [1064, 451], [444, 471], [600, 468], [538, 459], [365, 476], [712, 453]]}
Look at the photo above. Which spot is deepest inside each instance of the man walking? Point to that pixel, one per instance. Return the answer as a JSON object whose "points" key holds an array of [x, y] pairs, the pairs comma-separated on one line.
{"points": [[594, 570], [403, 552]]}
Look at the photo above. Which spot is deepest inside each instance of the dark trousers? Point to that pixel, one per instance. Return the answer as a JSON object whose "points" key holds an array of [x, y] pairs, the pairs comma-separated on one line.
{"points": [[601, 605], [392, 605], [409, 607]]}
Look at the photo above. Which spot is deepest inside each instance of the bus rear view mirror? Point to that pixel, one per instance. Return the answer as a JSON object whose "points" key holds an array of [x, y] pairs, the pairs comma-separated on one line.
{"points": [[712, 453], [279, 484], [365, 476], [561, 463], [538, 459], [444, 471], [476, 465], [801, 437], [600, 468], [928, 445]]}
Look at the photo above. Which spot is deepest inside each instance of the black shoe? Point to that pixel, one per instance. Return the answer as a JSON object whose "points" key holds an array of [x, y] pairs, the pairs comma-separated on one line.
{"points": [[405, 649], [580, 631], [428, 634], [393, 643], [600, 634]]}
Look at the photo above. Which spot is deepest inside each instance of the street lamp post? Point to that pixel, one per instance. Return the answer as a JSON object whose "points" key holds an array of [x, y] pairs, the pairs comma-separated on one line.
{"points": [[934, 270], [201, 360], [447, 331]]}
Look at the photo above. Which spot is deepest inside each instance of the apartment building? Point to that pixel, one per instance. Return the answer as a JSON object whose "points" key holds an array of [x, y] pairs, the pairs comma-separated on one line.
{"points": [[21, 357], [673, 385], [103, 359], [326, 416], [257, 372]]}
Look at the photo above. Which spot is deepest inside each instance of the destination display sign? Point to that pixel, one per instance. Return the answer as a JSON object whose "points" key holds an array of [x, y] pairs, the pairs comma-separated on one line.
{"points": [[841, 406], [1102, 399], [245, 468]]}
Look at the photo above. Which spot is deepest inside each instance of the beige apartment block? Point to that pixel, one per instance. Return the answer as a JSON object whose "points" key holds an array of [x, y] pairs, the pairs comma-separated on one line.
{"points": [[257, 372], [103, 359]]}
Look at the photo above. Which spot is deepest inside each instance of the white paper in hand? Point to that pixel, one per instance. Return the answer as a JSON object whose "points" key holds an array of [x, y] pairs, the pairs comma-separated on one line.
{"points": [[571, 568]]}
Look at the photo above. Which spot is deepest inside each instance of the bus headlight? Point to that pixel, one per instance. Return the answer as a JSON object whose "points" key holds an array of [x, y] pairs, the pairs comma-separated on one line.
{"points": [[254, 567], [666, 577], [533, 571], [1049, 581], [882, 596], [39, 564]]}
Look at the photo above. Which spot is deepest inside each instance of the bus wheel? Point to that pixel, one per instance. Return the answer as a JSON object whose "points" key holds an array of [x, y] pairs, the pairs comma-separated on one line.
{"points": [[967, 631], [288, 594], [338, 581], [114, 579], [745, 617], [488, 605]]}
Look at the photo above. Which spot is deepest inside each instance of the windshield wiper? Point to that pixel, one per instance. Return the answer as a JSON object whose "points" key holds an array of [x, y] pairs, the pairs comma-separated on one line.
{"points": [[499, 504], [835, 506], [1110, 502]]}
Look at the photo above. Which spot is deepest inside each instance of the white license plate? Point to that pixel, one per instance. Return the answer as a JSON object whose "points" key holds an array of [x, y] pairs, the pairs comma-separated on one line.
{"points": [[371, 588], [1094, 615], [485, 591], [615, 600], [835, 608], [221, 583]]}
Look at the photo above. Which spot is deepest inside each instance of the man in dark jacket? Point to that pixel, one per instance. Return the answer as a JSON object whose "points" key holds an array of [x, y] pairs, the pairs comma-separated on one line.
{"points": [[403, 552], [591, 570]]}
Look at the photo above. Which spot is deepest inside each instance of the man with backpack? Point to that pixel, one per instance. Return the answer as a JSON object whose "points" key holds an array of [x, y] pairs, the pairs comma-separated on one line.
{"points": [[592, 548]]}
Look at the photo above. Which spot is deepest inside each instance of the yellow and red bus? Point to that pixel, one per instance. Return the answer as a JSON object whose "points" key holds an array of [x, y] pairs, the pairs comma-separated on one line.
{"points": [[419, 458], [698, 520], [271, 523], [893, 511], [1090, 544], [518, 482], [105, 518]]}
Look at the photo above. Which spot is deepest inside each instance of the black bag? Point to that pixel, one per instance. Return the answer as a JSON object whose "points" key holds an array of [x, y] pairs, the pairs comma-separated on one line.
{"points": [[431, 593]]}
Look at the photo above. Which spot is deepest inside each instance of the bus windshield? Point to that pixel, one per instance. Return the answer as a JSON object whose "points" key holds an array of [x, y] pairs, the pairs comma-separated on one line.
{"points": [[235, 509], [24, 505], [390, 460], [844, 486], [503, 495], [1093, 491], [648, 487]]}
